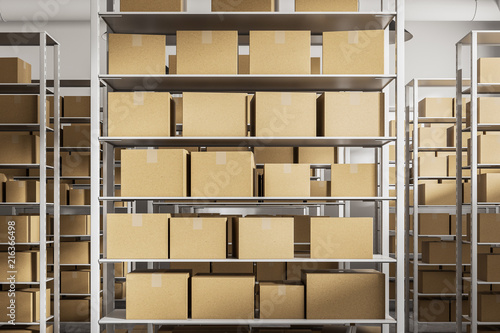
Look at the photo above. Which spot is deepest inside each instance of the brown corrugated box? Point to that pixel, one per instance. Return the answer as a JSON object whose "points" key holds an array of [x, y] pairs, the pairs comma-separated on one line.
{"points": [[222, 297], [75, 282], [76, 135], [75, 309], [27, 228], [157, 295], [233, 267], [75, 164], [435, 107], [19, 148], [488, 267], [283, 114], [451, 134], [75, 224], [140, 113], [488, 228], [79, 197], [244, 64], [27, 266], [451, 164], [354, 180], [434, 224], [437, 194], [320, 188], [281, 301], [353, 52], [341, 238], [431, 137], [22, 191], [294, 269], [243, 6], [316, 155], [18, 109], [280, 52], [271, 271], [432, 166], [443, 252], [193, 267], [326, 5], [488, 187], [14, 70], [27, 309], [222, 174], [486, 111], [76, 106], [315, 66], [273, 154], [437, 282], [351, 114], [263, 238], [214, 114], [488, 306], [75, 253], [350, 294], [152, 5], [488, 70], [139, 236], [287, 180], [136, 54], [198, 238], [154, 173], [487, 145], [207, 52], [433, 310]]}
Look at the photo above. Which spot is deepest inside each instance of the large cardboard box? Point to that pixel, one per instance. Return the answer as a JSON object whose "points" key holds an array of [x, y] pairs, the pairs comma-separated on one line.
{"points": [[136, 54], [294, 269], [207, 52], [140, 114], [429, 166], [341, 238], [437, 194], [283, 114], [486, 111], [354, 180], [488, 187], [243, 6], [488, 70], [326, 5], [76, 135], [351, 114], [271, 271], [75, 225], [27, 305], [434, 224], [437, 282], [222, 296], [137, 236], [19, 148], [22, 191], [451, 164], [273, 154], [488, 307], [21, 109], [436, 107], [214, 114], [443, 252], [351, 294], [152, 5], [281, 301], [193, 267], [432, 137], [27, 265], [76, 106], [487, 145], [75, 309], [75, 253], [157, 295], [287, 180], [488, 228], [27, 228], [198, 238], [488, 267], [14, 70], [433, 310], [316, 155], [75, 282], [154, 173], [353, 52], [263, 238], [75, 164], [280, 52], [222, 174]]}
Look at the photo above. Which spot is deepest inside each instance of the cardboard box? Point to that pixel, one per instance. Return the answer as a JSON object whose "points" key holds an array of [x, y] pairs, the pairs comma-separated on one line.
{"points": [[434, 224], [207, 52], [136, 54], [76, 106], [437, 194], [232, 267], [294, 269], [283, 114], [137, 236], [351, 114], [350, 294], [75, 253], [488, 228], [271, 271], [244, 64], [487, 145], [198, 238], [214, 114], [193, 267], [280, 52], [157, 295], [152, 5], [27, 228], [341, 238], [443, 252], [431, 137], [75, 164], [154, 173], [243, 6], [432, 166], [120, 289], [488, 307], [222, 174], [27, 309], [75, 309], [353, 52], [75, 282], [140, 114], [19, 148], [488, 267], [79, 197], [326, 5], [451, 164], [287, 180], [354, 180], [488, 187], [488, 70], [315, 66], [281, 301], [435, 107], [76, 135], [451, 133], [14, 70], [320, 188], [273, 155], [22, 191], [263, 238], [486, 111], [222, 297], [437, 282], [21, 109], [433, 310], [75, 225], [316, 155], [27, 265]]}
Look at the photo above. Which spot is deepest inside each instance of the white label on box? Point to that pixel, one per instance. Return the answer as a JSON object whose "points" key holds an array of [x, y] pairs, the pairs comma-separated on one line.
{"points": [[279, 37], [281, 290], [138, 97], [287, 168], [354, 168], [197, 224], [156, 280], [152, 156], [353, 37], [266, 224], [24, 65], [137, 220], [136, 40], [220, 158], [355, 98], [286, 98], [206, 37]]}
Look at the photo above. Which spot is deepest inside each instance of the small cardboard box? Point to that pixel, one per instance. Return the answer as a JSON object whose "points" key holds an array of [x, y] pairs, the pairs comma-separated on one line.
{"points": [[488, 307], [79, 197], [443, 252], [20, 109], [75, 225], [451, 164], [354, 180], [243, 6], [451, 135], [152, 5], [338, 238], [351, 114], [232, 267], [437, 282], [207, 52], [75, 309], [75, 282], [432, 166], [316, 155], [283, 114], [280, 52], [22, 191], [488, 187], [198, 238], [435, 107], [434, 224], [352, 294], [154, 173], [273, 155], [488, 228], [488, 70], [432, 137], [76, 135], [27, 228], [353, 52], [214, 114], [222, 296], [27, 309], [437, 194], [75, 164], [487, 145], [281, 301], [157, 295], [287, 180], [193, 267], [431, 310], [271, 271], [19, 148], [140, 114], [486, 111], [222, 174], [138, 236], [27, 266], [326, 5], [136, 54], [263, 238], [294, 269], [14, 70], [76, 106], [75, 253], [488, 267]]}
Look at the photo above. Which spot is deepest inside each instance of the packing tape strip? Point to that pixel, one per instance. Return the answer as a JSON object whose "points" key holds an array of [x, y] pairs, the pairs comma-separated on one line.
{"points": [[353, 37], [138, 97], [220, 158], [136, 40], [266, 224], [206, 37], [156, 280], [152, 156], [137, 220], [279, 37], [281, 290], [197, 224], [355, 98], [353, 168], [287, 168], [286, 98]]}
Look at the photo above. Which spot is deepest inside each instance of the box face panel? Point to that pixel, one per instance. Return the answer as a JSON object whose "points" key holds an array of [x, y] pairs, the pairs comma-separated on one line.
{"points": [[320, 188], [17, 109], [76, 135], [280, 301], [435, 107], [25, 266], [434, 224], [22, 191], [75, 225], [139, 114], [17, 147], [489, 187], [151, 5], [488, 70], [243, 6], [429, 166], [136, 54], [139, 236], [271, 271], [76, 106], [354, 180], [24, 313], [488, 145], [75, 164], [487, 110], [443, 252], [437, 194], [488, 226], [489, 267], [75, 253], [326, 5], [488, 307], [14, 70], [433, 310], [287, 180], [431, 137], [75, 282], [27, 228], [273, 155], [317, 155], [437, 282], [280, 52], [337, 238], [207, 52]]}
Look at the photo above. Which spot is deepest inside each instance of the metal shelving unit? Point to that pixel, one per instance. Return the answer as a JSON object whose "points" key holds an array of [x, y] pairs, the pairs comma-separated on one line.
{"points": [[42, 40], [168, 24]]}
